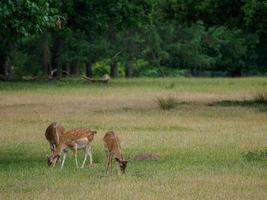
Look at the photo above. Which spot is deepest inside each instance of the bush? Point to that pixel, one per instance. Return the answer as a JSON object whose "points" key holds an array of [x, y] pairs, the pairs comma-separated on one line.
{"points": [[101, 68], [142, 68]]}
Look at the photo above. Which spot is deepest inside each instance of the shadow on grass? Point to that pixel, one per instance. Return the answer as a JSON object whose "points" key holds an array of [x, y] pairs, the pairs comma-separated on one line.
{"points": [[14, 160], [254, 103], [20, 160], [48, 84]]}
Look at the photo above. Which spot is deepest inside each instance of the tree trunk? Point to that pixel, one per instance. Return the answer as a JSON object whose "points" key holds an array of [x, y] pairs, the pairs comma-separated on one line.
{"points": [[89, 70], [75, 68], [66, 69], [5, 69], [59, 71], [128, 70], [3, 65], [54, 54], [46, 56], [114, 70]]}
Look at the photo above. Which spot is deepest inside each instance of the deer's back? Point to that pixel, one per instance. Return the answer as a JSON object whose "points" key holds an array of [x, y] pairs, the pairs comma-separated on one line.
{"points": [[111, 141], [78, 134]]}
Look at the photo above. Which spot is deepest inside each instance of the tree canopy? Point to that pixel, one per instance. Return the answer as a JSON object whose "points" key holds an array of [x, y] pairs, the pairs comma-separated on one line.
{"points": [[133, 37]]}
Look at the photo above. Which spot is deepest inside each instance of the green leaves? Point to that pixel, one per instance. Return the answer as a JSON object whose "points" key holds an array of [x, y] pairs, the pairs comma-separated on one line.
{"points": [[23, 18], [181, 34]]}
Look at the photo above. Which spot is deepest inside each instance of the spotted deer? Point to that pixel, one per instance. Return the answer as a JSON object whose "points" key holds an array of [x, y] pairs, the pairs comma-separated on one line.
{"points": [[112, 147], [52, 134], [75, 139]]}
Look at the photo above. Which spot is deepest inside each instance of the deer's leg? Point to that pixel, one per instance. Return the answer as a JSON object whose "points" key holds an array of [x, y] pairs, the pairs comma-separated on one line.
{"points": [[90, 154], [111, 155], [106, 158], [64, 157], [108, 161], [75, 155], [85, 156], [118, 169]]}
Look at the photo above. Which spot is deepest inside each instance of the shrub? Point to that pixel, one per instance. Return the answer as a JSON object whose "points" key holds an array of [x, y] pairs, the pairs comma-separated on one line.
{"points": [[102, 67]]}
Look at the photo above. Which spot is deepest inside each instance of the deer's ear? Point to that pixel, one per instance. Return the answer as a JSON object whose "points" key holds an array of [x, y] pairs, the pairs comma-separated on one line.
{"points": [[117, 159]]}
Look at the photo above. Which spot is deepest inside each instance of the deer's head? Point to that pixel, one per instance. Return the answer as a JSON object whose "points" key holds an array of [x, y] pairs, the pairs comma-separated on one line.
{"points": [[122, 164], [51, 160]]}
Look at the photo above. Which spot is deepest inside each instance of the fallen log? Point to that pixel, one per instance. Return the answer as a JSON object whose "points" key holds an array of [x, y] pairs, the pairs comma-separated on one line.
{"points": [[33, 78], [105, 79]]}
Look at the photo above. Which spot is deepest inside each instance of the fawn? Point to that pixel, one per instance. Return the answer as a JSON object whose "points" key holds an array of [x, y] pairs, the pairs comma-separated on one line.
{"points": [[75, 139], [112, 147], [52, 134]]}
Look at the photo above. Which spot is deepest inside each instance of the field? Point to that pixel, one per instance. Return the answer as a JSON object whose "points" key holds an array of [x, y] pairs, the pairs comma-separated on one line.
{"points": [[206, 149]]}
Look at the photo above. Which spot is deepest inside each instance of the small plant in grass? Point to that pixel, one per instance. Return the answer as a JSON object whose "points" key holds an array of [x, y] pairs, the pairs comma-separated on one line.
{"points": [[167, 103], [255, 155], [261, 98], [170, 86]]}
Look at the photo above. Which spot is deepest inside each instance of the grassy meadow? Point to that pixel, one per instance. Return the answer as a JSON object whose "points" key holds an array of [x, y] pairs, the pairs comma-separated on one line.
{"points": [[205, 149]]}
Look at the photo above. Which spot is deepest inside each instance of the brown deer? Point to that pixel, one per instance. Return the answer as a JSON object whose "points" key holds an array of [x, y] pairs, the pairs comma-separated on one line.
{"points": [[112, 147], [52, 134], [75, 139]]}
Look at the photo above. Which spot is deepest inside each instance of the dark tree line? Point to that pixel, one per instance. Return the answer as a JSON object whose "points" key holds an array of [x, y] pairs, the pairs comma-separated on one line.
{"points": [[132, 37]]}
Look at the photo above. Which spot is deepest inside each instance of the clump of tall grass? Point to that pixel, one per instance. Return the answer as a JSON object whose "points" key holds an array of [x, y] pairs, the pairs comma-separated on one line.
{"points": [[258, 101], [261, 98], [166, 103]]}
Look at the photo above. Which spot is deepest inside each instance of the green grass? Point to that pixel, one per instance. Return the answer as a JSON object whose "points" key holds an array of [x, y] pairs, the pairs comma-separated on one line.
{"points": [[206, 150]]}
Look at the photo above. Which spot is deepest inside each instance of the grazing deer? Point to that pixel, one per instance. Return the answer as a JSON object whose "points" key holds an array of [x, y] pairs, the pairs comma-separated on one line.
{"points": [[75, 139], [52, 134], [113, 147]]}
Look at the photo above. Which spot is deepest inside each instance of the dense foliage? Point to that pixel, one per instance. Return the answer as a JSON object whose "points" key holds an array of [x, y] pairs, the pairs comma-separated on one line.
{"points": [[133, 37]]}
